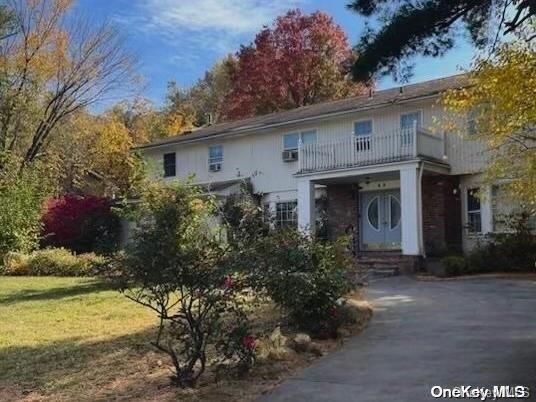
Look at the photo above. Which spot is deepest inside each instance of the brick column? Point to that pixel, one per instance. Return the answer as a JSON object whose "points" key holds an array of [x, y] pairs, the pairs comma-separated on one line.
{"points": [[442, 224], [342, 211]]}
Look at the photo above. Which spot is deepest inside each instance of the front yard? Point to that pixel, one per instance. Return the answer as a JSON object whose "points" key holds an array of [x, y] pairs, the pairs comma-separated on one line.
{"points": [[66, 339], [70, 338]]}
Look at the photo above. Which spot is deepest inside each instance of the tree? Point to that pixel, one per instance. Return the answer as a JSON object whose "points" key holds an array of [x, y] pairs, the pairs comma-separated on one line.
{"points": [[142, 119], [50, 68], [501, 100], [21, 202], [92, 154], [177, 266], [429, 27], [208, 94], [178, 113], [303, 59]]}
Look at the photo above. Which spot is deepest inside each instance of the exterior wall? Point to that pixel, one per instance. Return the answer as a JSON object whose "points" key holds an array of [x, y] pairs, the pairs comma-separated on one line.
{"points": [[470, 240], [258, 155], [442, 229], [343, 211]]}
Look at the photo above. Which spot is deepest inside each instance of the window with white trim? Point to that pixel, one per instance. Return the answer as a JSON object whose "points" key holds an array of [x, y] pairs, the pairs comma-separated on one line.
{"points": [[215, 158], [291, 140], [407, 120], [474, 214], [363, 132], [286, 214], [170, 164], [471, 123], [363, 128]]}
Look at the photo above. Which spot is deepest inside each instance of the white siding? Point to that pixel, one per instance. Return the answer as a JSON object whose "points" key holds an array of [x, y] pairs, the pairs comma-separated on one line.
{"points": [[258, 155]]}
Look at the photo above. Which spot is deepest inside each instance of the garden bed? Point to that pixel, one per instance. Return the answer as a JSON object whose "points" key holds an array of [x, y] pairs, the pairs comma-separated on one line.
{"points": [[68, 339]]}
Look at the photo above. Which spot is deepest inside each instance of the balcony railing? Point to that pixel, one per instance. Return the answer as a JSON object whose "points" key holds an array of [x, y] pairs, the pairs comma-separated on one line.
{"points": [[356, 151]]}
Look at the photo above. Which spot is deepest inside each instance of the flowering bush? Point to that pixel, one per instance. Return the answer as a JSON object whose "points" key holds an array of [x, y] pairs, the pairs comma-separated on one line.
{"points": [[81, 224], [239, 346], [178, 266]]}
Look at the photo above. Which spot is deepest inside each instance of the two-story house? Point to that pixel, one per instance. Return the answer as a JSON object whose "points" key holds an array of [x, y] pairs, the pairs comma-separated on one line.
{"points": [[386, 173]]}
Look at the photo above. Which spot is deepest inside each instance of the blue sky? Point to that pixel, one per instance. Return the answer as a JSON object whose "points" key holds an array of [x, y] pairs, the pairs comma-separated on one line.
{"points": [[180, 39]]}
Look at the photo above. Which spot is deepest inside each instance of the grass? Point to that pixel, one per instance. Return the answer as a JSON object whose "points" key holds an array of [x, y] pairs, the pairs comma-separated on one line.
{"points": [[58, 333], [76, 339]]}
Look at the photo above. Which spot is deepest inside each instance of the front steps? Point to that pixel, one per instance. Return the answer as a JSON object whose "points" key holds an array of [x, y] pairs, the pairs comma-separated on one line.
{"points": [[385, 264]]}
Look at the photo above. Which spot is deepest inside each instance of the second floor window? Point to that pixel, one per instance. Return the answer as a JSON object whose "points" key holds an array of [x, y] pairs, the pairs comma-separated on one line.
{"points": [[291, 140], [170, 164], [215, 158], [471, 123], [474, 216], [407, 120], [363, 128]]}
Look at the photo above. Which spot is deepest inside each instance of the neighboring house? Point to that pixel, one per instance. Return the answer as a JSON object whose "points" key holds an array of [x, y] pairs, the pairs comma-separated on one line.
{"points": [[383, 173]]}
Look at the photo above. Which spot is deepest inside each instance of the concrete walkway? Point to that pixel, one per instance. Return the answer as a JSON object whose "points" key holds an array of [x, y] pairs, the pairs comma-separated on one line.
{"points": [[478, 332]]}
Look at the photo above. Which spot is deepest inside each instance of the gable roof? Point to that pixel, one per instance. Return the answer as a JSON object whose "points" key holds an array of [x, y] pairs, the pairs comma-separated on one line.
{"points": [[319, 110]]}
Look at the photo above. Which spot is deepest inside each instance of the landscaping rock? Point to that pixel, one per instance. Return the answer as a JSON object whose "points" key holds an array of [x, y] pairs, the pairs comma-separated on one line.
{"points": [[315, 349], [275, 346], [301, 342]]}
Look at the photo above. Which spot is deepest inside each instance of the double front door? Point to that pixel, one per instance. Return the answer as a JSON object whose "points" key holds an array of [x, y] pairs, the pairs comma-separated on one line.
{"points": [[380, 220]]}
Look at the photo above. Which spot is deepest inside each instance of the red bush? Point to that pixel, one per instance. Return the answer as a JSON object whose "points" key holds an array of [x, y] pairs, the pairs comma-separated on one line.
{"points": [[80, 223]]}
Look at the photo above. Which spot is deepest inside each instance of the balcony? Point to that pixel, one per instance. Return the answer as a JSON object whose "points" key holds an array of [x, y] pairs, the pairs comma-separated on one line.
{"points": [[355, 151]]}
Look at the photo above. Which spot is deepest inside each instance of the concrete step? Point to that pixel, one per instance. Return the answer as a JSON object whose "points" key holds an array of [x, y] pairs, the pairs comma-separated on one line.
{"points": [[383, 272], [380, 264]]}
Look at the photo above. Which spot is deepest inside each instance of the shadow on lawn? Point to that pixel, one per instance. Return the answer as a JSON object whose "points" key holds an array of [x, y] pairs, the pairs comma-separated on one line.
{"points": [[77, 368], [57, 292]]}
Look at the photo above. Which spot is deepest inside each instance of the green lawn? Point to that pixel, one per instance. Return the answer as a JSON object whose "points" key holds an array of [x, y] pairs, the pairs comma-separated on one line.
{"points": [[73, 339], [70, 339]]}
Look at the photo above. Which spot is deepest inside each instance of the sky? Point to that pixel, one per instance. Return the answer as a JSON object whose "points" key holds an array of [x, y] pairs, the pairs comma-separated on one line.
{"points": [[180, 39]]}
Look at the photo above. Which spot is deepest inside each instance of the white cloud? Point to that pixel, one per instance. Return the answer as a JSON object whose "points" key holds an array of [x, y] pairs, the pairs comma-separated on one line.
{"points": [[232, 17], [216, 26], [189, 35]]}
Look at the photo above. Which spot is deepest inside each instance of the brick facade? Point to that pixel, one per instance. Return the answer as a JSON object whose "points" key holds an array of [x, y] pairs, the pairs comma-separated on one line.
{"points": [[342, 210], [441, 214]]}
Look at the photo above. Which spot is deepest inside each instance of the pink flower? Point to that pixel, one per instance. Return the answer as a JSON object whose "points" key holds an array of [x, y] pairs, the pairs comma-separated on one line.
{"points": [[249, 342], [228, 282]]}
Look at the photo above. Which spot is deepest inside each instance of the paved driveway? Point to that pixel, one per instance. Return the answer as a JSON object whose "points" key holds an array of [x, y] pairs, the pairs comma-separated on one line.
{"points": [[473, 332]]}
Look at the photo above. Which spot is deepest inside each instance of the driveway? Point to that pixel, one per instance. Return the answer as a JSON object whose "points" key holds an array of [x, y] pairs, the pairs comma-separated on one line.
{"points": [[478, 332]]}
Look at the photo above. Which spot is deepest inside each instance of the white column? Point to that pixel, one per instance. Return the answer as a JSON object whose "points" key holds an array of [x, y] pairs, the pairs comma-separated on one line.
{"points": [[411, 215], [486, 209], [306, 206]]}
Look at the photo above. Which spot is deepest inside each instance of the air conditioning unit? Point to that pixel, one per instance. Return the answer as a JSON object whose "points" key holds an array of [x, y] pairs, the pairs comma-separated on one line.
{"points": [[214, 167], [290, 156]]}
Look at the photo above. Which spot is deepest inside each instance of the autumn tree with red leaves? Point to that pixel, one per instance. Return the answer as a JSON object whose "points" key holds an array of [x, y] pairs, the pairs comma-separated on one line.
{"points": [[80, 223], [301, 60]]}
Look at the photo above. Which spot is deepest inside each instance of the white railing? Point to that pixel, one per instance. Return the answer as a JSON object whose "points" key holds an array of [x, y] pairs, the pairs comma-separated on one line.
{"points": [[355, 151]]}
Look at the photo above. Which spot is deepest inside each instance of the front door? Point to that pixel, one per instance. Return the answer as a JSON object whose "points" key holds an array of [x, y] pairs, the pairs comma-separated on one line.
{"points": [[380, 220]]}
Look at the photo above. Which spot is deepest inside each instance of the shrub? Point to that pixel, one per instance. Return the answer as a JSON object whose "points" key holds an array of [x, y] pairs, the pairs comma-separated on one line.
{"points": [[178, 266], [52, 262], [243, 217], [81, 223], [454, 265], [305, 277], [514, 250], [21, 202]]}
